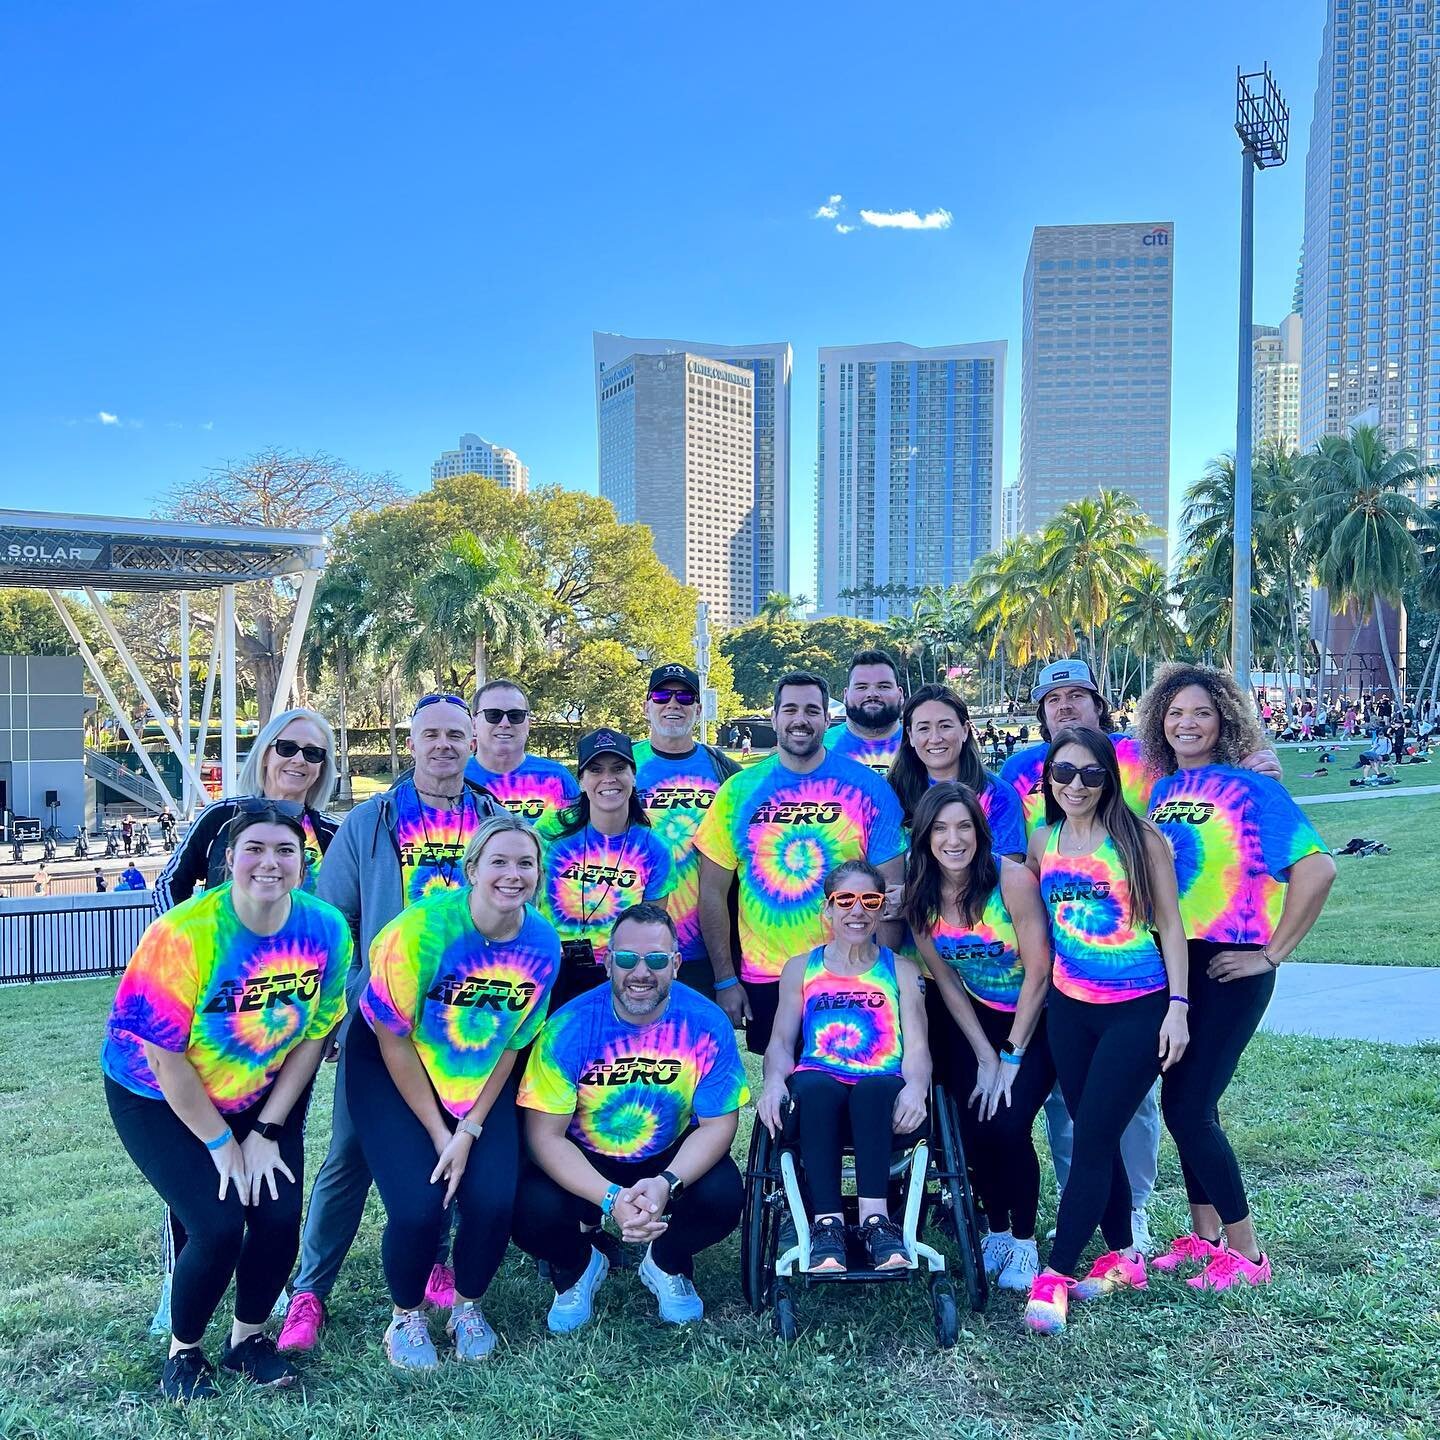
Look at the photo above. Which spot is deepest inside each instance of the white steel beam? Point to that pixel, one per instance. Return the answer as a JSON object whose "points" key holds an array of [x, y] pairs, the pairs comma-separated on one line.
{"points": [[285, 682], [229, 768], [183, 718], [206, 702]]}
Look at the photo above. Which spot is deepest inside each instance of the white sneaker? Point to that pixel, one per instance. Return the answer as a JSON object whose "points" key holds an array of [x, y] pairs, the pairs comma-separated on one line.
{"points": [[995, 1248], [1140, 1232], [573, 1308], [680, 1303], [1021, 1268]]}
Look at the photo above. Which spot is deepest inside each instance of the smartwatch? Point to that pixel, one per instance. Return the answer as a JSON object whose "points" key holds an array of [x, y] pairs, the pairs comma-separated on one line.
{"points": [[470, 1128], [268, 1130], [675, 1183], [1011, 1052]]}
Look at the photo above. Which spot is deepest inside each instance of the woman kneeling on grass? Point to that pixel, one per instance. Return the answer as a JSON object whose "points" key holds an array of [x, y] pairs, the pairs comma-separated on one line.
{"points": [[459, 985], [1253, 877], [217, 1029], [1117, 1002], [858, 1011]]}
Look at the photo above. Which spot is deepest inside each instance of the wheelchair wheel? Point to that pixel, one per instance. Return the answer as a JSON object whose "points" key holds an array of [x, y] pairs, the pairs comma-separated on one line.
{"points": [[962, 1203], [785, 1320], [759, 1226], [947, 1315]]}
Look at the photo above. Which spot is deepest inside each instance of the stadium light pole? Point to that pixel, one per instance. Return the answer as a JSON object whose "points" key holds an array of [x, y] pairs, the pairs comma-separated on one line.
{"points": [[1262, 121]]}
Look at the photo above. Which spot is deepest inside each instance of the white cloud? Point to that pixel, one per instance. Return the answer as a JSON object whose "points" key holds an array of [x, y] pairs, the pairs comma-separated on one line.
{"points": [[106, 418], [843, 229], [907, 219], [207, 424], [830, 209]]}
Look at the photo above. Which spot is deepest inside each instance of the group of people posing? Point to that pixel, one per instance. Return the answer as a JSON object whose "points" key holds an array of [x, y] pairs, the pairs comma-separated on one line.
{"points": [[532, 981]]}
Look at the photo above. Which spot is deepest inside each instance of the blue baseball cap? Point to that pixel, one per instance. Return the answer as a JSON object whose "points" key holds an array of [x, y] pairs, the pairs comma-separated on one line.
{"points": [[1063, 672]]}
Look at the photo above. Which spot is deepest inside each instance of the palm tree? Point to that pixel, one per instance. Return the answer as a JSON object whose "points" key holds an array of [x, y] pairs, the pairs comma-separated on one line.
{"points": [[1145, 618], [1427, 595], [1012, 605], [778, 606], [340, 619], [1359, 520]]}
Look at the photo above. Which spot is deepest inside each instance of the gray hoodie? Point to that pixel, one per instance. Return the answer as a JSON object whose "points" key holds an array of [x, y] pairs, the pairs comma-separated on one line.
{"points": [[360, 875]]}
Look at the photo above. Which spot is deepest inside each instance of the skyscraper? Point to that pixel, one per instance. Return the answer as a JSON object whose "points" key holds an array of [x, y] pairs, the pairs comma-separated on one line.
{"points": [[677, 435], [477, 456], [770, 364], [909, 470], [1372, 231], [1095, 368], [1275, 392]]}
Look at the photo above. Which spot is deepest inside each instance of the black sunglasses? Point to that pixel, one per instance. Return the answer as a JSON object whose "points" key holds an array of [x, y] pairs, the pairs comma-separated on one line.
{"points": [[494, 717], [1092, 777], [438, 699], [263, 805], [680, 697], [315, 754]]}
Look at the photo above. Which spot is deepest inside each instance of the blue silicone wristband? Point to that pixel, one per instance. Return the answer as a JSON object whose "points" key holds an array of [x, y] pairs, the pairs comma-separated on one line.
{"points": [[1179, 1000], [607, 1205], [221, 1140], [725, 984], [1010, 1059]]}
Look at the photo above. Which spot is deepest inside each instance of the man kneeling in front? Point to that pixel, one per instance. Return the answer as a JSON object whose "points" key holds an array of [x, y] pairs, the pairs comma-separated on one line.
{"points": [[633, 1092]]}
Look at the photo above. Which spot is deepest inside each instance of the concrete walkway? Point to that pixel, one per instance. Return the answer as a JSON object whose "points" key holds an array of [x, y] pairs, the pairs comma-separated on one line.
{"points": [[1396, 1004], [1369, 792]]}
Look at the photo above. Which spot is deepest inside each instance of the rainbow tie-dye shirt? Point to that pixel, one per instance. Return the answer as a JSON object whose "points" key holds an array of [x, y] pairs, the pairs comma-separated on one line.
{"points": [[535, 788], [590, 878], [233, 1003], [432, 842], [986, 956], [1235, 835], [874, 752], [676, 792], [1100, 956], [633, 1091], [313, 854], [462, 999], [850, 1024], [782, 833], [1023, 769]]}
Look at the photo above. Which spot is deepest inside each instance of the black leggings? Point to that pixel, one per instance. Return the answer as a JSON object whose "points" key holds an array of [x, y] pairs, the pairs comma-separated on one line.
{"points": [[548, 1218], [256, 1244], [1223, 1017], [401, 1156], [1000, 1151], [1107, 1058], [828, 1111]]}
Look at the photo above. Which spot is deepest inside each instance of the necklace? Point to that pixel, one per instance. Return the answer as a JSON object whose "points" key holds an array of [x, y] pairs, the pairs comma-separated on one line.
{"points": [[586, 915], [441, 795]]}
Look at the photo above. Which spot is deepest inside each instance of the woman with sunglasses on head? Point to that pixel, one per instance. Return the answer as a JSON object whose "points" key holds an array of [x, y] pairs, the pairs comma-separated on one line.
{"points": [[982, 931], [857, 1011], [291, 761], [1117, 1004], [213, 1040], [1253, 876], [938, 744], [459, 986]]}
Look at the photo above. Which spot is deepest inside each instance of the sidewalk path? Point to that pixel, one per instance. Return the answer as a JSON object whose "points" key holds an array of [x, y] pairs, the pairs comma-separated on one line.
{"points": [[1396, 1004], [1369, 792]]}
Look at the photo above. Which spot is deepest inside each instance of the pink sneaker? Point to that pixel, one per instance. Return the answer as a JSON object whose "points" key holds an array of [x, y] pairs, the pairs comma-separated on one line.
{"points": [[1112, 1271], [1186, 1250], [1229, 1268], [440, 1288], [1049, 1303], [303, 1322]]}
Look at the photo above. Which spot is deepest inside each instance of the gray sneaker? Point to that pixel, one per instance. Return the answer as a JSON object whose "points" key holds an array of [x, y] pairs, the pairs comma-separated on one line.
{"points": [[467, 1326], [407, 1342], [573, 1308], [680, 1303]]}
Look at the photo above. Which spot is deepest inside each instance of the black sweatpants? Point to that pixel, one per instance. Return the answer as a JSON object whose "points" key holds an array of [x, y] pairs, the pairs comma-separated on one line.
{"points": [[256, 1244], [1223, 1017], [764, 1001], [401, 1156], [1107, 1058], [1000, 1151], [548, 1218], [830, 1111]]}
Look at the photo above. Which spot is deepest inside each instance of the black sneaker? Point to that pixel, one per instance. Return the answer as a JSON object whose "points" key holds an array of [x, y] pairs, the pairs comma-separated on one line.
{"points": [[883, 1242], [258, 1360], [827, 1244], [186, 1377]]}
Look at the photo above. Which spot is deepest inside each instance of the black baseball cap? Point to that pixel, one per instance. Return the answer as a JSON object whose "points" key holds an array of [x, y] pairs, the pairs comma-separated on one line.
{"points": [[674, 674], [605, 742]]}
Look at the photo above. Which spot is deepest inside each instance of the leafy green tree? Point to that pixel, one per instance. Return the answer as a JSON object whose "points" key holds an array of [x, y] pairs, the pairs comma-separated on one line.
{"points": [[778, 606], [762, 651], [1146, 621], [30, 626]]}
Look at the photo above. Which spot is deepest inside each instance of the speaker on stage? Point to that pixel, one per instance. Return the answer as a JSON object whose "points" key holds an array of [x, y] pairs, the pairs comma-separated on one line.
{"points": [[52, 798]]}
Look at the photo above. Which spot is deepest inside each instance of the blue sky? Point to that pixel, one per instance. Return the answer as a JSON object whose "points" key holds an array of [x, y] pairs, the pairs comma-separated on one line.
{"points": [[365, 229]]}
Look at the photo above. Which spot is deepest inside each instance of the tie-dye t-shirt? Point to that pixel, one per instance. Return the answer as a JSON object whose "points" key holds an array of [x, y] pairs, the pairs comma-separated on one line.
{"points": [[850, 1024], [313, 854], [1099, 955], [535, 788], [1023, 769], [234, 1003], [782, 833], [1005, 814], [986, 956], [1235, 835], [432, 842], [676, 791], [462, 999], [590, 878], [874, 752], [633, 1091]]}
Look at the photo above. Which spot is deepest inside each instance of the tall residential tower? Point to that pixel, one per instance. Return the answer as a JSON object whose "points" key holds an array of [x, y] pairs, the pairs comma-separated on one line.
{"points": [[477, 456], [1275, 387]]}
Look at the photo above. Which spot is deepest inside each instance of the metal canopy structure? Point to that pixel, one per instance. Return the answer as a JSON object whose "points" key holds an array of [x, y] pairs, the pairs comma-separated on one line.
{"points": [[101, 553]]}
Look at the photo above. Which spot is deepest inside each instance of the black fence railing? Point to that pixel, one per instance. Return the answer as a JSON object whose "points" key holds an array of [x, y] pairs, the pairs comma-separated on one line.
{"points": [[56, 940]]}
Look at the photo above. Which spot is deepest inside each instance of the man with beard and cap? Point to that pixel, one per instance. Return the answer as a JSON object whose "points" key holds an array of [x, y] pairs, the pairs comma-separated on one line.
{"points": [[1066, 694], [777, 829], [676, 779], [873, 700]]}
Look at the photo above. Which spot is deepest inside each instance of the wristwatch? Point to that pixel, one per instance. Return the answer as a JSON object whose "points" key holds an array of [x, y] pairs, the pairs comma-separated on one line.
{"points": [[470, 1128], [675, 1183], [1009, 1047], [268, 1130]]}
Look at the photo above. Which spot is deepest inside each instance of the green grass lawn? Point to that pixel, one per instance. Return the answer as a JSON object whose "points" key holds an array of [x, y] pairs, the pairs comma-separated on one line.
{"points": [[1340, 1142]]}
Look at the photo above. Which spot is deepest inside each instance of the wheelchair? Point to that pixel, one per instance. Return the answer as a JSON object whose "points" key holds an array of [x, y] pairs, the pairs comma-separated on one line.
{"points": [[929, 1190]]}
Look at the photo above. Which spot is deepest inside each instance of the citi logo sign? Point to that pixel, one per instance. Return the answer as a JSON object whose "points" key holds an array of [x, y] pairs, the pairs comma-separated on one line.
{"points": [[1156, 237]]}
